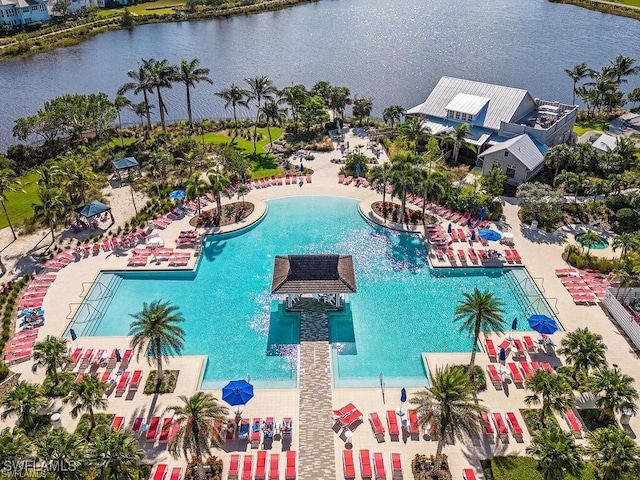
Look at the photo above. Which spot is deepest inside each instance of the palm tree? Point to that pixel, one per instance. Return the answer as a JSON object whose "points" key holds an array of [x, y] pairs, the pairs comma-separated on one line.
{"points": [[119, 103], [294, 96], [432, 185], [392, 113], [623, 66], [479, 311], [242, 191], [583, 350], [559, 157], [161, 75], [140, 110], [272, 114], [197, 418], [156, 332], [141, 83], [381, 174], [458, 139], [404, 179], [196, 186], [24, 400], [15, 448], [51, 354], [49, 209], [412, 131], [190, 74], [557, 453], [628, 242], [613, 452], [589, 240], [448, 408], [260, 88], [550, 390], [569, 181], [577, 73], [234, 96], [87, 395], [362, 108], [218, 184], [614, 390], [63, 452], [117, 455], [8, 183]]}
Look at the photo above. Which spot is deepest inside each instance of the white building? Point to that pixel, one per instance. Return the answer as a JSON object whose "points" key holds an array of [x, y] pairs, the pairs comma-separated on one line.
{"points": [[496, 115], [605, 143], [73, 5], [17, 13]]}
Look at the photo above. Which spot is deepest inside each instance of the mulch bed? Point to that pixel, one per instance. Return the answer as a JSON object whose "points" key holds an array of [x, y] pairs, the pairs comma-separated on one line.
{"points": [[231, 213]]}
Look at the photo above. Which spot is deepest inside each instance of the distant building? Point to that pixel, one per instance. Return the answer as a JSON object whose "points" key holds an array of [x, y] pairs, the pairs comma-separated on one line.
{"points": [[74, 5], [605, 143], [506, 124], [18, 13]]}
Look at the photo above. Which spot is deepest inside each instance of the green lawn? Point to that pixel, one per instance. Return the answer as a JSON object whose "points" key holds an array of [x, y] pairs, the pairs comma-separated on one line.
{"points": [[586, 125], [243, 144], [159, 7], [20, 205], [115, 142], [524, 468]]}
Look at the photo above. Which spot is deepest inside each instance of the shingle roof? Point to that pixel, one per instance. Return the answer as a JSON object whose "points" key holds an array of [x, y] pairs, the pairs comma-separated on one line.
{"points": [[503, 104], [313, 274], [523, 148]]}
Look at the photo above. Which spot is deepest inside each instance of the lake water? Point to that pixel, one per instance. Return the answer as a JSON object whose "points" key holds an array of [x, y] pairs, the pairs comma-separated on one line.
{"points": [[393, 52]]}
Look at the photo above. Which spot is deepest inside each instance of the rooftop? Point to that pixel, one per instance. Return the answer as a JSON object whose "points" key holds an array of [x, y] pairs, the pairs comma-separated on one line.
{"points": [[523, 147], [313, 274]]}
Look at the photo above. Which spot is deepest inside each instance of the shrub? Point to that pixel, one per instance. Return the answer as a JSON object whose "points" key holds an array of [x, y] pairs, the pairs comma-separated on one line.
{"points": [[4, 371]]}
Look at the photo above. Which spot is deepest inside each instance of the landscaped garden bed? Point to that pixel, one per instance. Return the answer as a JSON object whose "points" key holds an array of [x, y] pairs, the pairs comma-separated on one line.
{"points": [[422, 468], [391, 211], [168, 384], [231, 213]]}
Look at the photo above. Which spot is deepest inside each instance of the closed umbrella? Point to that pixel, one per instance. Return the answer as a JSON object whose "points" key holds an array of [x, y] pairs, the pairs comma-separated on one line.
{"points": [[72, 332], [449, 228], [488, 234], [502, 356], [473, 235], [403, 398], [469, 222], [237, 392], [483, 213], [118, 356], [514, 324], [543, 324]]}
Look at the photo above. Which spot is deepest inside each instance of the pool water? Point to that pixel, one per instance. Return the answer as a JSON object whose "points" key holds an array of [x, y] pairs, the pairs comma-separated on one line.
{"points": [[601, 245], [402, 307]]}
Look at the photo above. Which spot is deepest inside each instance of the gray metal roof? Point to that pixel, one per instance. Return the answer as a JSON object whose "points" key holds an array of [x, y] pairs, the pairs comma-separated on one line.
{"points": [[465, 103], [605, 142], [521, 147], [505, 103]]}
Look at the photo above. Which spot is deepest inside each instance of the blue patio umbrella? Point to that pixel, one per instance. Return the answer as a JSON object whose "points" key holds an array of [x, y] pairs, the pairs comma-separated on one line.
{"points": [[403, 395], [514, 324], [483, 213], [488, 234], [178, 194], [72, 332], [118, 356], [237, 392], [301, 167], [502, 356], [543, 324], [473, 235], [449, 228], [469, 222]]}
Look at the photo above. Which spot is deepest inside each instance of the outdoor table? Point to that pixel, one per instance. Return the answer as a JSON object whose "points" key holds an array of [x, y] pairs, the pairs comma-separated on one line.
{"points": [[348, 435]]}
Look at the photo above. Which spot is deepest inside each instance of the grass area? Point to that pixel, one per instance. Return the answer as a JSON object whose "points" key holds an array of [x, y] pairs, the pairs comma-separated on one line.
{"points": [[524, 468], [586, 125], [115, 142], [263, 165], [84, 424], [245, 145], [20, 204], [531, 418], [633, 3], [159, 7], [591, 418]]}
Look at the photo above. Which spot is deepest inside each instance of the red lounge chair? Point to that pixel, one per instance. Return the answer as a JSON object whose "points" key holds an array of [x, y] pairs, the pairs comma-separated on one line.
{"points": [[79, 377], [515, 373], [516, 256], [126, 358], [274, 470], [341, 412], [255, 432], [261, 465], [574, 424], [452, 257], [491, 350], [440, 255], [508, 256], [495, 377], [392, 422], [161, 471], [350, 419], [347, 465], [105, 376], [153, 429], [473, 256], [137, 262], [547, 366], [164, 431], [468, 474], [518, 350], [137, 423], [175, 428], [462, 256], [529, 344], [86, 358], [290, 471], [396, 467], [117, 423], [73, 361], [365, 464], [514, 425], [176, 473], [378, 464], [414, 428], [487, 426], [234, 463], [526, 369], [503, 433], [535, 366], [454, 235], [247, 467], [122, 384], [308, 178]]}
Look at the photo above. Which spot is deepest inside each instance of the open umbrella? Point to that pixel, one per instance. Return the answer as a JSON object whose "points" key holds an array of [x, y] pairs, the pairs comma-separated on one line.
{"points": [[488, 234], [237, 392], [178, 194], [507, 235], [543, 324]]}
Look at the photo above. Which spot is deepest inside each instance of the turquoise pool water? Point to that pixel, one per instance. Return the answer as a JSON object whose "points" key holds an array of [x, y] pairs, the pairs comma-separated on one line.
{"points": [[402, 307], [601, 245]]}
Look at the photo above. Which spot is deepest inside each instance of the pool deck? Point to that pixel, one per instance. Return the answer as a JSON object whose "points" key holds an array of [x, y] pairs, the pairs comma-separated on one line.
{"points": [[541, 255]]}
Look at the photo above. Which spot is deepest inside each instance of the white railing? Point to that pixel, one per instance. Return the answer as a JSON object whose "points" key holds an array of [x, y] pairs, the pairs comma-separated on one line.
{"points": [[622, 316]]}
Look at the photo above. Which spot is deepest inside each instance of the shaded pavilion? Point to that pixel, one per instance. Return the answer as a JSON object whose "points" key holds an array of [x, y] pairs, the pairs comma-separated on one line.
{"points": [[93, 209], [123, 166], [325, 277]]}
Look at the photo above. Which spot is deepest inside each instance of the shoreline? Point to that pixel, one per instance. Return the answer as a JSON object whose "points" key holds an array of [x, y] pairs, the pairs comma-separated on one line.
{"points": [[602, 6]]}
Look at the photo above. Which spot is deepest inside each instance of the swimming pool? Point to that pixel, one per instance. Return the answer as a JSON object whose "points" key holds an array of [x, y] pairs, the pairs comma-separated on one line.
{"points": [[402, 307]]}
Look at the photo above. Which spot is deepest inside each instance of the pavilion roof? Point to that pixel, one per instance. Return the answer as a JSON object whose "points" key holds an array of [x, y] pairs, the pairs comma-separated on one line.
{"points": [[313, 274], [127, 162]]}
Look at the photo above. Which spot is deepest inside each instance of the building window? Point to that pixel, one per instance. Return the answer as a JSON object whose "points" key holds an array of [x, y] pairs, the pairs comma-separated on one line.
{"points": [[34, 8], [470, 118], [457, 115], [511, 171], [506, 153]]}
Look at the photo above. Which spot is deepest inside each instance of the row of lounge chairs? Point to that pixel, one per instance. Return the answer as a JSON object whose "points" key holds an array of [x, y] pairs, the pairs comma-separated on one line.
{"points": [[161, 470], [496, 425], [349, 414], [257, 429], [518, 372], [584, 286], [357, 182], [260, 472], [377, 470], [20, 347], [83, 358], [516, 347], [140, 258]]}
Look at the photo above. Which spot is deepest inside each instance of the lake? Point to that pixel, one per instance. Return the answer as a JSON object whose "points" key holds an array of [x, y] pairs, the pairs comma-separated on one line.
{"points": [[393, 52]]}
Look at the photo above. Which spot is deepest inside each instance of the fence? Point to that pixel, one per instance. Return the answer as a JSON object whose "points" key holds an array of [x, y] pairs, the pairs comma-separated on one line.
{"points": [[615, 301]]}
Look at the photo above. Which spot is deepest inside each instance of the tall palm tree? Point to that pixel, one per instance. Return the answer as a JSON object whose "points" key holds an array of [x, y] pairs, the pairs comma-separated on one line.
{"points": [[196, 186], [628, 242], [613, 452], [218, 184], [432, 183], [120, 102], [559, 157], [190, 74], [197, 417], [569, 181], [87, 395], [412, 130], [476, 312], [577, 73], [51, 354], [338, 100], [260, 89], [362, 108], [404, 179], [242, 191], [392, 113], [142, 109], [557, 453], [583, 350], [156, 332], [141, 84], [614, 391], [63, 452], [623, 66], [589, 240], [381, 174], [618, 182], [272, 114], [49, 209], [15, 448], [294, 96], [117, 455], [550, 390], [161, 75], [24, 400], [77, 177], [8, 183], [458, 139], [448, 408], [235, 97]]}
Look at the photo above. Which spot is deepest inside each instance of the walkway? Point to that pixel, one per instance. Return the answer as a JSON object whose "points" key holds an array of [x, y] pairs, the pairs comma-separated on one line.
{"points": [[316, 449]]}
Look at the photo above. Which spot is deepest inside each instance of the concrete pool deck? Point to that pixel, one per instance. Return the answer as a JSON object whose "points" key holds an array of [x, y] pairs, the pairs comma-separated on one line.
{"points": [[541, 255]]}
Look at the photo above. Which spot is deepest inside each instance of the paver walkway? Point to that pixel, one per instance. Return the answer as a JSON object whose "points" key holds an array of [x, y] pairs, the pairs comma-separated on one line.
{"points": [[316, 455]]}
